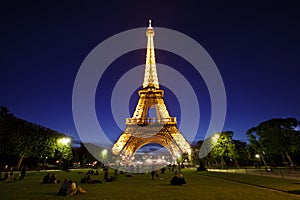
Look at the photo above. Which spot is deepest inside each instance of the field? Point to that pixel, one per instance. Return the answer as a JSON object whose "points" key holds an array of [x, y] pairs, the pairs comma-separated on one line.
{"points": [[200, 185]]}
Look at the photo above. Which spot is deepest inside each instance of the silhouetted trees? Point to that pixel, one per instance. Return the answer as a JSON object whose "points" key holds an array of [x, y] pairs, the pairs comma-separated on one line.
{"points": [[275, 138], [82, 155], [224, 150], [23, 139], [274, 141]]}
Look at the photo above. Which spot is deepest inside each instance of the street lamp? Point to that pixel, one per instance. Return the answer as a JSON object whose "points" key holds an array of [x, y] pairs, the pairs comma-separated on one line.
{"points": [[215, 138], [104, 154], [65, 141], [257, 156]]}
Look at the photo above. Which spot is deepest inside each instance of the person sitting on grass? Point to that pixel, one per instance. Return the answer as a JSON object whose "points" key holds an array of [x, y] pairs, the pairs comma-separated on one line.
{"points": [[178, 179], [46, 179], [3, 178], [63, 189], [53, 179], [72, 189], [10, 177], [110, 179], [88, 179]]}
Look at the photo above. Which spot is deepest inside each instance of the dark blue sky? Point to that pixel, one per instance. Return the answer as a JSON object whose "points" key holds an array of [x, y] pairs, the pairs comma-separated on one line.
{"points": [[255, 46]]}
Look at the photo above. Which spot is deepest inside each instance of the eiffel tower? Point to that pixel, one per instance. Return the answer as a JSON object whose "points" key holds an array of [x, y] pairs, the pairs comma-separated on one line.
{"points": [[142, 129]]}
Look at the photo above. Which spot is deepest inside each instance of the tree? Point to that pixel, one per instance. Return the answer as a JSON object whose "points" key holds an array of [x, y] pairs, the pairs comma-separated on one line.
{"points": [[22, 139], [274, 137], [197, 161], [241, 152], [17, 139], [223, 149]]}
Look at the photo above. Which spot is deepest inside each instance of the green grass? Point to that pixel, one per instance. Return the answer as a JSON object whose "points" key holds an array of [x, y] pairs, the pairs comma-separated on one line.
{"points": [[268, 182], [200, 185]]}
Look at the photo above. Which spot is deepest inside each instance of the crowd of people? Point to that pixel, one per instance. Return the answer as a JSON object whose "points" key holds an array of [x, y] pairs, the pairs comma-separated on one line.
{"points": [[178, 178], [70, 187]]}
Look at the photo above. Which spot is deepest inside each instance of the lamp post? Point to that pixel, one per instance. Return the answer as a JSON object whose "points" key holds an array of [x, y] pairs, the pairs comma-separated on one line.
{"points": [[65, 141], [104, 154], [257, 160]]}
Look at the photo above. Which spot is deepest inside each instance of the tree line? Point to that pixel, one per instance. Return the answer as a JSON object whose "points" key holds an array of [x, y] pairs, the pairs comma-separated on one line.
{"points": [[275, 142], [272, 142], [20, 139]]}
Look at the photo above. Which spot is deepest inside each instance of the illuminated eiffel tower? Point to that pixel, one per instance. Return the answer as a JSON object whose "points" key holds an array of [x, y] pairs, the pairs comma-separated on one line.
{"points": [[142, 129]]}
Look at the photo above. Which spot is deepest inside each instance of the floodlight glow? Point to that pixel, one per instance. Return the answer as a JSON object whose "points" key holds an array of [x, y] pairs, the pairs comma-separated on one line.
{"points": [[215, 138], [104, 151], [65, 140]]}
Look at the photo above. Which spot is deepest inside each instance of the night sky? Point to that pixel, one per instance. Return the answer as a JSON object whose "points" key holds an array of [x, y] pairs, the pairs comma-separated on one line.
{"points": [[255, 46]]}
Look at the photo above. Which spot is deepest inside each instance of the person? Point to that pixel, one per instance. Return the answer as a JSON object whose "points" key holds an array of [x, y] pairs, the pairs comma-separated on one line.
{"points": [[85, 179], [46, 179], [116, 174], [178, 179], [6, 175], [105, 173], [90, 180], [152, 174], [2, 178], [157, 173], [63, 189], [11, 177], [110, 179], [53, 179], [73, 188], [23, 173]]}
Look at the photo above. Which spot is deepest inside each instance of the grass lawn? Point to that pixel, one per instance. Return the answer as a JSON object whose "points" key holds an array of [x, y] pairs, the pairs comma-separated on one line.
{"points": [[200, 185], [290, 186]]}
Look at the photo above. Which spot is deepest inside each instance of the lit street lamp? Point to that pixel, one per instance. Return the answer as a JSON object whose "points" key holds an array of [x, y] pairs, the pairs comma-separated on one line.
{"points": [[257, 161], [104, 154], [63, 142], [215, 138]]}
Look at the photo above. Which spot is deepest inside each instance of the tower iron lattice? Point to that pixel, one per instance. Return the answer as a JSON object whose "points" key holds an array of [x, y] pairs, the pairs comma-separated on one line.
{"points": [[140, 128]]}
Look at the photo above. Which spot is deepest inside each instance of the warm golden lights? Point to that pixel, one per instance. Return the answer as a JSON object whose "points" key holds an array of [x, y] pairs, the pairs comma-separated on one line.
{"points": [[142, 129], [150, 78]]}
